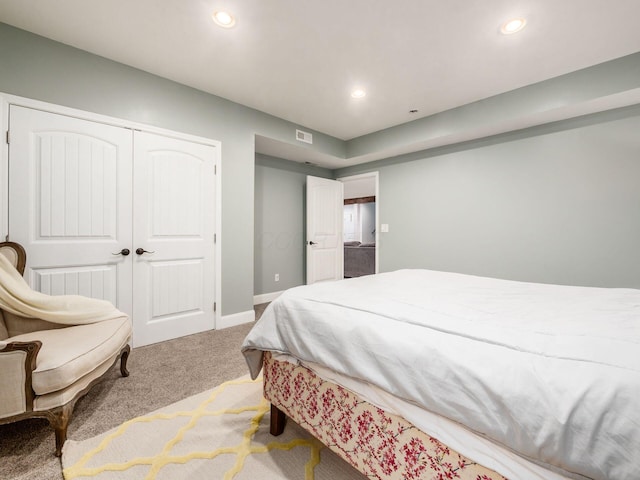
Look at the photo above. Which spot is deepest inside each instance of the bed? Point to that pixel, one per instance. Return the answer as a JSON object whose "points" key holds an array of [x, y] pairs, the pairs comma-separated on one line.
{"points": [[424, 374]]}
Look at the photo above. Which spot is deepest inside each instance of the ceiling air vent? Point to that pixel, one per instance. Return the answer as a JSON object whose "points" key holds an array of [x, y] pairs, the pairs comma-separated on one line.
{"points": [[305, 137]]}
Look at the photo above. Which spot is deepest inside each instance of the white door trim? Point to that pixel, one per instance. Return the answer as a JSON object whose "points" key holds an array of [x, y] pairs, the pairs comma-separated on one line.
{"points": [[8, 99], [4, 168], [376, 177]]}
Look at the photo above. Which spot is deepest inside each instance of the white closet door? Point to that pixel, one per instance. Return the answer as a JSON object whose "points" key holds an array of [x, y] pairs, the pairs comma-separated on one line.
{"points": [[174, 212], [70, 204]]}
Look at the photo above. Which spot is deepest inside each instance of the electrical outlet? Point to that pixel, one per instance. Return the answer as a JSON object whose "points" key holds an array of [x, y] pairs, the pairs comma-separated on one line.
{"points": [[277, 277]]}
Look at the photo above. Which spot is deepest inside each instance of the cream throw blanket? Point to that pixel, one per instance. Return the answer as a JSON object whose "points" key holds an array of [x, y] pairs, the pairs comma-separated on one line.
{"points": [[18, 298]]}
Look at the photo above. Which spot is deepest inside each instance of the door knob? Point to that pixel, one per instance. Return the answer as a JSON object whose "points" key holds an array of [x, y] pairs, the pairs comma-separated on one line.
{"points": [[124, 252], [312, 243], [140, 251]]}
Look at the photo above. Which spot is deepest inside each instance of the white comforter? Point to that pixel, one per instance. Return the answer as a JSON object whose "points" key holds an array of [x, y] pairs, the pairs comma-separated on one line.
{"points": [[552, 372]]}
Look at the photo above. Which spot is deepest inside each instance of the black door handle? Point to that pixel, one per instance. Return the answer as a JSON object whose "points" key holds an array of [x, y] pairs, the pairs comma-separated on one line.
{"points": [[124, 252], [312, 243], [140, 251]]}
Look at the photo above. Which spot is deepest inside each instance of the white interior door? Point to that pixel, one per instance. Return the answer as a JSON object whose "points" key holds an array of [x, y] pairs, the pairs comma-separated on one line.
{"points": [[70, 204], [174, 212], [324, 230]]}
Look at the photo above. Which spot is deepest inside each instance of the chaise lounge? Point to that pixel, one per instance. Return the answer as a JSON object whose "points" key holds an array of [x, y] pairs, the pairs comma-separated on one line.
{"points": [[53, 349]]}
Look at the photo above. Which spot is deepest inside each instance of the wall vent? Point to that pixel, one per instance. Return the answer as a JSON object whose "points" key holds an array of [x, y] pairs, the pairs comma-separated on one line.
{"points": [[305, 137]]}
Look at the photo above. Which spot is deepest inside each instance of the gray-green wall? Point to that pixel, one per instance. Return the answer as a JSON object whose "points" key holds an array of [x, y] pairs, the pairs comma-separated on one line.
{"points": [[554, 204], [34, 67], [557, 203], [280, 188]]}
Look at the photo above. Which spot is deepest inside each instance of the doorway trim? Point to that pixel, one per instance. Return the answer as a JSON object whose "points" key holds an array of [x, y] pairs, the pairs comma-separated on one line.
{"points": [[8, 99], [376, 177]]}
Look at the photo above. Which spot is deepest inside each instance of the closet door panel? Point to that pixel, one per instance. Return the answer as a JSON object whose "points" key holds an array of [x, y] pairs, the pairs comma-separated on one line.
{"points": [[174, 209], [70, 204], [94, 281]]}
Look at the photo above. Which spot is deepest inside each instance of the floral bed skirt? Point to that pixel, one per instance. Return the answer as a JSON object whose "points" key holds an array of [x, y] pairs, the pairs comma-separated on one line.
{"points": [[378, 444]]}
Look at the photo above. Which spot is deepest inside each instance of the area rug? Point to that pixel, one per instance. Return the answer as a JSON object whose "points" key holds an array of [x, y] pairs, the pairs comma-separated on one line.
{"points": [[219, 434]]}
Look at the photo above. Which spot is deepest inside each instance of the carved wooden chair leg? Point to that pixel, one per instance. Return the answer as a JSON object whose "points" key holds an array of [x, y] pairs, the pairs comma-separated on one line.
{"points": [[59, 419], [278, 420], [124, 356]]}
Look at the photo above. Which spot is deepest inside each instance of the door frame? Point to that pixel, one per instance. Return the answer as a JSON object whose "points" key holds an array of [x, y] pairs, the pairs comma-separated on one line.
{"points": [[7, 99], [376, 177]]}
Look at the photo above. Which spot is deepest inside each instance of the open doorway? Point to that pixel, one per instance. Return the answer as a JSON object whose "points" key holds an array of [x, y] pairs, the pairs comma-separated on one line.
{"points": [[360, 231]]}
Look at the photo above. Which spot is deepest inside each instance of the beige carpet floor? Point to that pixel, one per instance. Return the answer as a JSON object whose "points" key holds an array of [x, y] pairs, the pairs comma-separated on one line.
{"points": [[222, 433], [161, 374]]}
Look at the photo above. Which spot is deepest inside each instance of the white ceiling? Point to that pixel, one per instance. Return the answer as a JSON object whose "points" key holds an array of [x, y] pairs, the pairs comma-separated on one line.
{"points": [[300, 59]]}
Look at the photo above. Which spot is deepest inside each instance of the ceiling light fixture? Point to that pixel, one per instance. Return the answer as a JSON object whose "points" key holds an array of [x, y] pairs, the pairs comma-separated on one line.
{"points": [[513, 26], [358, 93], [223, 19]]}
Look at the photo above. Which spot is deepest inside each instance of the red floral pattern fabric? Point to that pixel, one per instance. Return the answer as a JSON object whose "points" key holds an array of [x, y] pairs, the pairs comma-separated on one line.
{"points": [[378, 444]]}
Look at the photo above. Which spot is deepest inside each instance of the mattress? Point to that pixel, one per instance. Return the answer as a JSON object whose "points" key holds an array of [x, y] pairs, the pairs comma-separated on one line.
{"points": [[549, 372]]}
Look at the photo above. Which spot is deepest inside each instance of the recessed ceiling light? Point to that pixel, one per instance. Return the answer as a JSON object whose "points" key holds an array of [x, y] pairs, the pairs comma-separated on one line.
{"points": [[358, 93], [513, 26], [223, 19]]}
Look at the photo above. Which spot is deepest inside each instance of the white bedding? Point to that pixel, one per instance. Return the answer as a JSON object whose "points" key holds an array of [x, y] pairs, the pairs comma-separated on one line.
{"points": [[552, 372]]}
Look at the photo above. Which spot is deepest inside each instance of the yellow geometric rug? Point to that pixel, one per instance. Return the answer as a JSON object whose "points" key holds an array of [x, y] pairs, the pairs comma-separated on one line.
{"points": [[219, 434]]}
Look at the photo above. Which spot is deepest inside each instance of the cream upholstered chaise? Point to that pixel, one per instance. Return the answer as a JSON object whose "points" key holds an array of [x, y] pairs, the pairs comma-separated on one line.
{"points": [[52, 348]]}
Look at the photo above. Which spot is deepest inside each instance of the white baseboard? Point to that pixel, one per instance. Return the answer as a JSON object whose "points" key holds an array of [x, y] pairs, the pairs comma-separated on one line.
{"points": [[266, 297], [234, 319]]}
